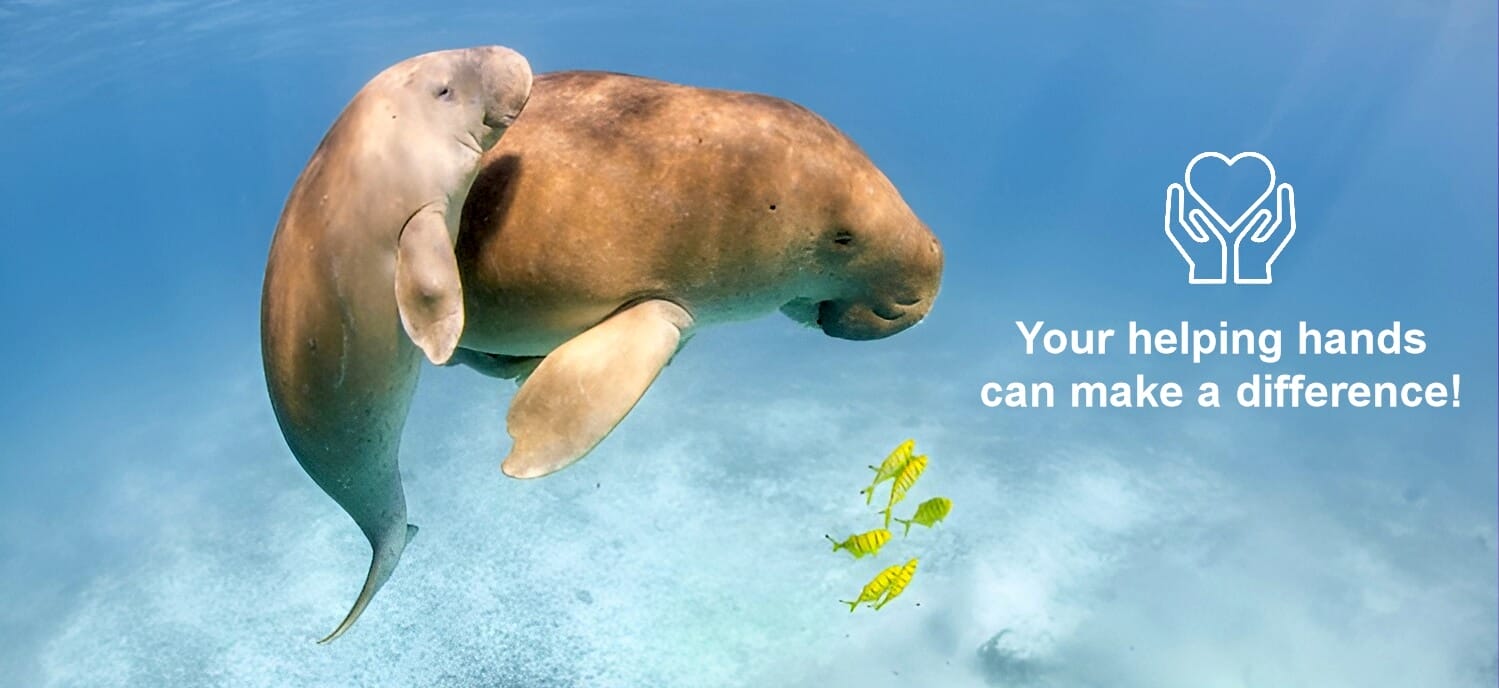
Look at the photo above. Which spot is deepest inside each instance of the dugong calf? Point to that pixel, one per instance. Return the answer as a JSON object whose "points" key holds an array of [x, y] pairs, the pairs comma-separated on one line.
{"points": [[362, 265]]}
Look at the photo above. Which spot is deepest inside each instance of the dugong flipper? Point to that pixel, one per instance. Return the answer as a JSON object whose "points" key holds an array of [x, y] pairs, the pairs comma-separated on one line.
{"points": [[586, 386], [429, 294], [362, 257]]}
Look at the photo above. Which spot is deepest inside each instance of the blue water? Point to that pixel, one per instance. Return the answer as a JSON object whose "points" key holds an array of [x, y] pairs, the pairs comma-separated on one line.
{"points": [[155, 530]]}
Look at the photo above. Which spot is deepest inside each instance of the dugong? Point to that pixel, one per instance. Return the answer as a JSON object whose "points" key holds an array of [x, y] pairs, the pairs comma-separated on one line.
{"points": [[617, 216], [621, 213], [362, 265]]}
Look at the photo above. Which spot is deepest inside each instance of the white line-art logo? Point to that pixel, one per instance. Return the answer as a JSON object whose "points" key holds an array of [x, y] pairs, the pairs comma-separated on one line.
{"points": [[1221, 221]]}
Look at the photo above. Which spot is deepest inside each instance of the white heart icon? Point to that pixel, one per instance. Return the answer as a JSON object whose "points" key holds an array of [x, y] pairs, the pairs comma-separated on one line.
{"points": [[1229, 162]]}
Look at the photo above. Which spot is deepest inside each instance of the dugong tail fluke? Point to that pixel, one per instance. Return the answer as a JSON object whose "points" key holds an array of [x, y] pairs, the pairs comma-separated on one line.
{"points": [[387, 553]]}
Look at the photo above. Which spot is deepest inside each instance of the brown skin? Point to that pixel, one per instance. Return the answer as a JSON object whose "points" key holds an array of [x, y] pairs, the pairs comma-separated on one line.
{"points": [[339, 366], [663, 206], [613, 189]]}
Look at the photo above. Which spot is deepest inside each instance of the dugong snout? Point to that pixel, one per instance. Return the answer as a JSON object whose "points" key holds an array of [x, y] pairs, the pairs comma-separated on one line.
{"points": [[505, 86], [891, 289]]}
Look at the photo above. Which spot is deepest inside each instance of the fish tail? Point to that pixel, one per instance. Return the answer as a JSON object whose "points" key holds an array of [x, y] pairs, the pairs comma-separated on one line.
{"points": [[851, 605], [907, 524], [835, 542]]}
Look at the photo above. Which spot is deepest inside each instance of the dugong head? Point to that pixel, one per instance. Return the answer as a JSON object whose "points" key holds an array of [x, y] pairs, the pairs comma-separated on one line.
{"points": [[479, 91], [881, 268]]}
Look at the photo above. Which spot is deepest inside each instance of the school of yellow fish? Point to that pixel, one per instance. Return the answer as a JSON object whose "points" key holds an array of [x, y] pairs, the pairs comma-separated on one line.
{"points": [[902, 468]]}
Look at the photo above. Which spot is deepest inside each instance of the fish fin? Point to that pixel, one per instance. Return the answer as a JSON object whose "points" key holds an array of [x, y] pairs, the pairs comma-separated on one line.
{"points": [[907, 524], [583, 388], [429, 294]]}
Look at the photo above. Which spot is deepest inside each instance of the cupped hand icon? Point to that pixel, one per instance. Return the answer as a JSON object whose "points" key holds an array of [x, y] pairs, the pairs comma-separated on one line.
{"points": [[1262, 239], [1198, 239]]}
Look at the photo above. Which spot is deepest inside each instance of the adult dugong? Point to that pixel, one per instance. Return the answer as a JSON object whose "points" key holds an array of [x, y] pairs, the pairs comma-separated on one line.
{"points": [[621, 213], [362, 265]]}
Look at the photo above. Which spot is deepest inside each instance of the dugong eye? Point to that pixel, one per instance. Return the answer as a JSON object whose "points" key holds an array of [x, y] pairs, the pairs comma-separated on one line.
{"points": [[843, 237], [444, 93]]}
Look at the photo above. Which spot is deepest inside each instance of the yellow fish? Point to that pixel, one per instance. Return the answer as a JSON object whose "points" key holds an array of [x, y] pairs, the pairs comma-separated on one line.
{"points": [[928, 513], [904, 482], [875, 588], [898, 583], [890, 467], [863, 543]]}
